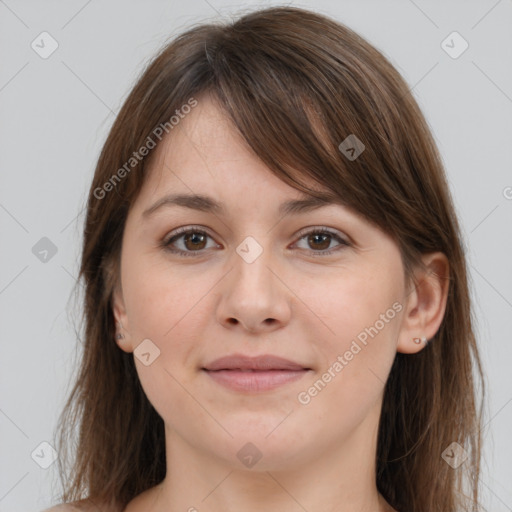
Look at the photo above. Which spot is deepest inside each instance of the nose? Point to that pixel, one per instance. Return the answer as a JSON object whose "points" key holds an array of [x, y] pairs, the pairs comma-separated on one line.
{"points": [[254, 297]]}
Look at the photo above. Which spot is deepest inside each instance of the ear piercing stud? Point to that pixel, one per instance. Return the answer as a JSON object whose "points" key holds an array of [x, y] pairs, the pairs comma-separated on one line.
{"points": [[420, 340], [120, 336]]}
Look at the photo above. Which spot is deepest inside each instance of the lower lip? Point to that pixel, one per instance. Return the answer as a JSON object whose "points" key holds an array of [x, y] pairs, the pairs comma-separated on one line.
{"points": [[255, 381]]}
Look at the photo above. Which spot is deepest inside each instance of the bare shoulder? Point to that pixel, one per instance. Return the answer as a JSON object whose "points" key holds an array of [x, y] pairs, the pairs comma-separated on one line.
{"points": [[82, 506], [144, 501], [141, 502], [63, 507]]}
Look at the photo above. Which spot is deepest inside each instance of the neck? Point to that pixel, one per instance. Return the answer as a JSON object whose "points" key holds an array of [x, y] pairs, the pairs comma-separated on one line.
{"points": [[337, 480]]}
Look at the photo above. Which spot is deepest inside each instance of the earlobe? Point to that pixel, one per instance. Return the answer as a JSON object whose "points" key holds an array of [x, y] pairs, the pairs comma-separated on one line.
{"points": [[118, 309], [425, 304]]}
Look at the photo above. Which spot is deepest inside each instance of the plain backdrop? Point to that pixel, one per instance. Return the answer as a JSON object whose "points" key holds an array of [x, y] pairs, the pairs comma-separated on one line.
{"points": [[56, 112]]}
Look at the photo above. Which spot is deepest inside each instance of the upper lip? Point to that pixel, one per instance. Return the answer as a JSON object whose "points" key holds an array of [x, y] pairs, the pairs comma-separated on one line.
{"points": [[264, 362]]}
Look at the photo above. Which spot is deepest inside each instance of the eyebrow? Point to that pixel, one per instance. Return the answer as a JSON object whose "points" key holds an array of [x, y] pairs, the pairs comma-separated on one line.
{"points": [[208, 204]]}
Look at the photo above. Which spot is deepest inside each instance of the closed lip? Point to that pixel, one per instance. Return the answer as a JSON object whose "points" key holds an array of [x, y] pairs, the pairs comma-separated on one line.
{"points": [[262, 363]]}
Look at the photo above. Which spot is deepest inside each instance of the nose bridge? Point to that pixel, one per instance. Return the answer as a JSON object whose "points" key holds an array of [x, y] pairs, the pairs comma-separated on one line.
{"points": [[252, 260], [253, 296]]}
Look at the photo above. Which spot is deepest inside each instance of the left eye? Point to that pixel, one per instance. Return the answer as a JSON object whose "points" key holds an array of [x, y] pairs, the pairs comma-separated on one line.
{"points": [[194, 241], [323, 238]]}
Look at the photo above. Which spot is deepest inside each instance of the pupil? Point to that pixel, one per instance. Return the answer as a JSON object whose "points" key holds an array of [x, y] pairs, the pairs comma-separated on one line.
{"points": [[321, 235], [194, 238]]}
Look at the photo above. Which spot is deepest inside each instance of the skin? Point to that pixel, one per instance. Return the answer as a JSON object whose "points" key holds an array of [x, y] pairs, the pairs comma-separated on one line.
{"points": [[317, 456]]}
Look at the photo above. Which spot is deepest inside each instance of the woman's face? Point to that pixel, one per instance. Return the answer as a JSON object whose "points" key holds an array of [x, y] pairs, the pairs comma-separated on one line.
{"points": [[255, 281]]}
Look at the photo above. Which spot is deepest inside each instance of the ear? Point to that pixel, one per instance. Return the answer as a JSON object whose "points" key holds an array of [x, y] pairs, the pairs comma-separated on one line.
{"points": [[121, 318], [425, 304]]}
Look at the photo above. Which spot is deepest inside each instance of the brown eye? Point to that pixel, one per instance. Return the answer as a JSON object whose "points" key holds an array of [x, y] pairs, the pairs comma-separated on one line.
{"points": [[192, 240], [319, 240]]}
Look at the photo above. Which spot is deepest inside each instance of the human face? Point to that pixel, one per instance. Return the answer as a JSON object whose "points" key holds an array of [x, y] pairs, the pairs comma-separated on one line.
{"points": [[336, 314]]}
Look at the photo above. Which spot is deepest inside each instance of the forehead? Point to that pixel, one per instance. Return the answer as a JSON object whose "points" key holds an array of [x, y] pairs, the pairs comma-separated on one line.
{"points": [[205, 165], [205, 155]]}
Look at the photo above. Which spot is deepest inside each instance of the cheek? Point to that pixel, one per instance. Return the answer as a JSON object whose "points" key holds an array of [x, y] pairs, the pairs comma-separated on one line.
{"points": [[173, 309], [160, 300], [363, 316], [353, 302], [167, 391], [167, 309]]}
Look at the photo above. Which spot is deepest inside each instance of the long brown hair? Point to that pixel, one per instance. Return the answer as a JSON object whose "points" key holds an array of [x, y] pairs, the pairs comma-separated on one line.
{"points": [[295, 84]]}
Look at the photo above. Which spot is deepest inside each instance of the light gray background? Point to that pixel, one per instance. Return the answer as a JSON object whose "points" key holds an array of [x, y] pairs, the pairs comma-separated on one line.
{"points": [[55, 114]]}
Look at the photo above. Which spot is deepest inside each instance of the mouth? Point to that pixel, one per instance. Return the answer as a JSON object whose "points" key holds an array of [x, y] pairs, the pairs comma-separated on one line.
{"points": [[254, 374], [255, 380]]}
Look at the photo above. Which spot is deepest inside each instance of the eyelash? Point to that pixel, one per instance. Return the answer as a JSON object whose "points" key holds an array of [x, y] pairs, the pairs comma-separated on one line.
{"points": [[166, 243]]}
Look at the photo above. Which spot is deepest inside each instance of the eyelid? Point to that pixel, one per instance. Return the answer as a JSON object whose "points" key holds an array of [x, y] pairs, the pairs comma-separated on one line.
{"points": [[320, 228]]}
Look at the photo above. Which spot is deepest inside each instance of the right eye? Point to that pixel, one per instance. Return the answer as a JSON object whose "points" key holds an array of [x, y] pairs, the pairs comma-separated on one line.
{"points": [[194, 238]]}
